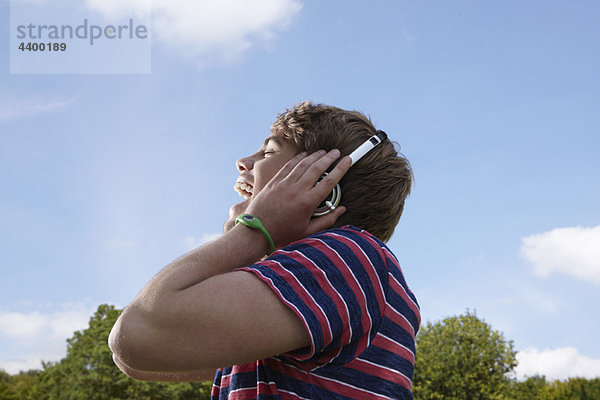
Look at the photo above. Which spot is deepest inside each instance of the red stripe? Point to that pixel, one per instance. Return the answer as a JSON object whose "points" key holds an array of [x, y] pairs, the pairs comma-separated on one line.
{"points": [[373, 277], [243, 394], [307, 299], [368, 266], [413, 306], [393, 347], [326, 383], [398, 288], [226, 379], [215, 391], [352, 282], [304, 296], [400, 320], [382, 372], [328, 288], [268, 388]]}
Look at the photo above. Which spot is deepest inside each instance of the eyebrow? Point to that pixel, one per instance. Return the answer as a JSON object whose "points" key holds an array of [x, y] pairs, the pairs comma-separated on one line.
{"points": [[272, 138]]}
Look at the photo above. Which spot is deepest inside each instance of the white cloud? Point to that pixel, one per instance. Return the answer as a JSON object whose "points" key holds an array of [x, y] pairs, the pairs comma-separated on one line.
{"points": [[13, 108], [573, 251], [560, 363], [209, 31], [23, 364], [28, 338], [119, 8], [58, 324], [192, 242]]}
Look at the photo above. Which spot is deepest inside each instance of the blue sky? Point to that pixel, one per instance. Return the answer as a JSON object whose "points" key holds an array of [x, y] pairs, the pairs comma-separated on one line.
{"points": [[106, 178]]}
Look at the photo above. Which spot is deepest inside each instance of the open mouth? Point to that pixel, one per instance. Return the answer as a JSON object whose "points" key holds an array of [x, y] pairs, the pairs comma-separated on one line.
{"points": [[244, 189]]}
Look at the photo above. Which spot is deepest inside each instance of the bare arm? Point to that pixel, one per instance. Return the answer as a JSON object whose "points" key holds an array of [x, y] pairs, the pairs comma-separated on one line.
{"points": [[197, 315]]}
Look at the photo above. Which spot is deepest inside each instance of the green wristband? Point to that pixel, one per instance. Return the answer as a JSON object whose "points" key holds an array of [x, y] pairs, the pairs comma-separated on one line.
{"points": [[252, 222]]}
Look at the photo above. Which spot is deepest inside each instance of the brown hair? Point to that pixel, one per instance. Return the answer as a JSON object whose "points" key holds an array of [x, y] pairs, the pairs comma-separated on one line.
{"points": [[374, 189]]}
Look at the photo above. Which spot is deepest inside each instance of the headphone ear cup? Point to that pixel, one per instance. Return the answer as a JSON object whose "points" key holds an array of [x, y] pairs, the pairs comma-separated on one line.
{"points": [[330, 203]]}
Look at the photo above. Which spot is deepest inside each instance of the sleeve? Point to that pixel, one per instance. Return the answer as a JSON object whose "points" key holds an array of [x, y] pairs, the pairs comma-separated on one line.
{"points": [[336, 282]]}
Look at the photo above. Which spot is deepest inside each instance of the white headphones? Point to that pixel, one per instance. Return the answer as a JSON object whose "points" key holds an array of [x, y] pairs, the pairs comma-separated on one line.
{"points": [[329, 204]]}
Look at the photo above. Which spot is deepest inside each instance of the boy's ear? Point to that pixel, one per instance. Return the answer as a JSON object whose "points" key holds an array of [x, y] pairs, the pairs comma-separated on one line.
{"points": [[330, 203]]}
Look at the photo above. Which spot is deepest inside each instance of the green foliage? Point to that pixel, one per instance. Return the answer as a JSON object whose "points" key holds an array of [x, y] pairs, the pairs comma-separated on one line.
{"points": [[457, 358], [6, 388], [536, 388], [462, 358], [88, 373]]}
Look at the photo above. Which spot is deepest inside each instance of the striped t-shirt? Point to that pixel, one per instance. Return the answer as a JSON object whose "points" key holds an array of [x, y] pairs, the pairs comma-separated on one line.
{"points": [[349, 291]]}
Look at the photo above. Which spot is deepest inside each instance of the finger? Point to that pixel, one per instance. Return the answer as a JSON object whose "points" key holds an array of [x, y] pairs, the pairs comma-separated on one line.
{"points": [[289, 166], [301, 167], [325, 222], [326, 184], [314, 171]]}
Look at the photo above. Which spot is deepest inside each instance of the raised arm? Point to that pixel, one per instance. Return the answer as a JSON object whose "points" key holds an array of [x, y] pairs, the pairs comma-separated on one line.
{"points": [[198, 314]]}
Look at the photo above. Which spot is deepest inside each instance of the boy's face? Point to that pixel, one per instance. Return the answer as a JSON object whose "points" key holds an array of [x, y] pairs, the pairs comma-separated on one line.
{"points": [[256, 170]]}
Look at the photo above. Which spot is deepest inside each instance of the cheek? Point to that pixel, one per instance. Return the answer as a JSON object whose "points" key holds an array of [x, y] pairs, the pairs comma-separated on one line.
{"points": [[262, 177]]}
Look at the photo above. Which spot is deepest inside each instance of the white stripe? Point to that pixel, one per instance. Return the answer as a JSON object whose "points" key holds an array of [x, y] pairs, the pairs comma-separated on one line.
{"points": [[367, 257], [360, 286], [244, 388], [368, 333], [389, 252], [309, 295], [399, 344], [391, 307], [292, 305], [386, 368], [225, 376], [294, 394], [354, 387], [342, 300], [400, 271], [406, 293], [335, 290]]}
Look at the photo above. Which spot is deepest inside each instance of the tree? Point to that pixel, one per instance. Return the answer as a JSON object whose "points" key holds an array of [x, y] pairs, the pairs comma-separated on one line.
{"points": [[89, 373], [462, 358], [576, 389], [532, 388], [6, 390]]}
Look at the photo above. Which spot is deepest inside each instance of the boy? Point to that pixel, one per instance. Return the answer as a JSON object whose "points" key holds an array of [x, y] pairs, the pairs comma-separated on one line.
{"points": [[327, 315]]}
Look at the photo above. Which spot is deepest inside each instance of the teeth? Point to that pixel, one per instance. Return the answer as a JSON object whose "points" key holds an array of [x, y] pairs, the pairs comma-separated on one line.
{"points": [[243, 189]]}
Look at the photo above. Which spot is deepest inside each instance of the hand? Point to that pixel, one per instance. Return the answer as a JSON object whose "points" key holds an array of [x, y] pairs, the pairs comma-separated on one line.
{"points": [[234, 211], [285, 205]]}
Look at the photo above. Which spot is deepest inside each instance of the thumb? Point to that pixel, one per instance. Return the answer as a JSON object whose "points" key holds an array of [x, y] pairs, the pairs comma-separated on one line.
{"points": [[326, 221]]}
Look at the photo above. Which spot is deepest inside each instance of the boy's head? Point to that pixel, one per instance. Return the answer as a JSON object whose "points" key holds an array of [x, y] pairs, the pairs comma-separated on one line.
{"points": [[375, 188]]}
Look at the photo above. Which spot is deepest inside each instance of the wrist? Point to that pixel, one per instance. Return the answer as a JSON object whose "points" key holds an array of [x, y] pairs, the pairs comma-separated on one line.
{"points": [[254, 223]]}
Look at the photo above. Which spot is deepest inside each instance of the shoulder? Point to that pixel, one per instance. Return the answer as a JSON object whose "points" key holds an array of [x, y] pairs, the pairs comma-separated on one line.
{"points": [[347, 236], [348, 244]]}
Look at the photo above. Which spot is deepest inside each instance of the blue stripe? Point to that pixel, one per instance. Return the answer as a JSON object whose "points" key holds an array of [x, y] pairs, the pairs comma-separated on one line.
{"points": [[301, 388], [332, 314], [368, 382], [383, 357], [288, 293], [355, 312], [336, 370], [359, 271], [390, 329], [397, 273], [399, 304]]}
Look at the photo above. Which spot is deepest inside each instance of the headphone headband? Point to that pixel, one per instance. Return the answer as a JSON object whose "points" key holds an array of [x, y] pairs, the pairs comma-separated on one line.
{"points": [[336, 194]]}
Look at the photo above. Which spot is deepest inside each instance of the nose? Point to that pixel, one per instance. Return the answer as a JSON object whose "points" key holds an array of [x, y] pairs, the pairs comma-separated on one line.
{"points": [[244, 164]]}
